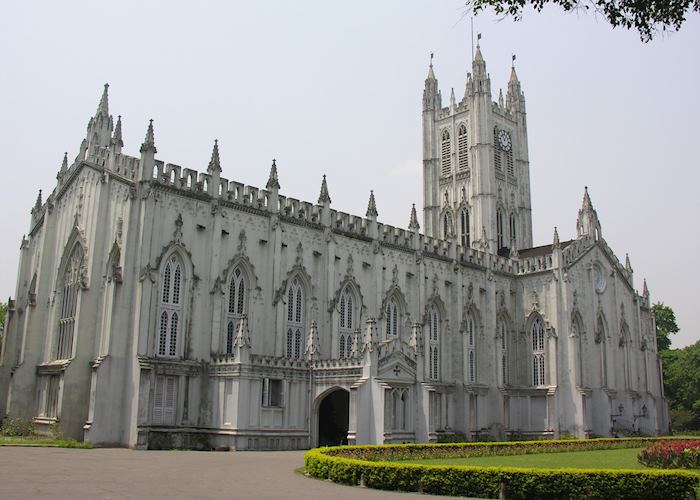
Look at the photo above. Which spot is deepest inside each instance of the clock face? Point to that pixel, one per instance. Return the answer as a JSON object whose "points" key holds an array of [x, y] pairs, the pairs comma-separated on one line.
{"points": [[504, 140]]}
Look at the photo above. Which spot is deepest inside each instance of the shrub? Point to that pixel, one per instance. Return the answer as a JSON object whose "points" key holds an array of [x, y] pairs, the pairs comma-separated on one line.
{"points": [[672, 455], [373, 467], [17, 427]]}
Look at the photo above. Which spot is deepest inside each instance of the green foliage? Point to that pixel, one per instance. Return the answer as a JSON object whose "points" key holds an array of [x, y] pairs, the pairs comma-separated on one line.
{"points": [[672, 455], [647, 18], [682, 386], [457, 437], [3, 314], [17, 427], [38, 441], [665, 320], [375, 467]]}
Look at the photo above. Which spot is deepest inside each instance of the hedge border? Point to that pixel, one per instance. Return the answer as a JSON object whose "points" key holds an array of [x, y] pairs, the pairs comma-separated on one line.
{"points": [[367, 466]]}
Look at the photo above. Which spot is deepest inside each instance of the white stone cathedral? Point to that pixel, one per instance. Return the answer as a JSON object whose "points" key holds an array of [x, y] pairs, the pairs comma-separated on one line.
{"points": [[158, 306]]}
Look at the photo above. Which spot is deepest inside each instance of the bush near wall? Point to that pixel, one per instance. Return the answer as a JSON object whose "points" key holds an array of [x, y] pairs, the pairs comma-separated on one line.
{"points": [[672, 455], [372, 466]]}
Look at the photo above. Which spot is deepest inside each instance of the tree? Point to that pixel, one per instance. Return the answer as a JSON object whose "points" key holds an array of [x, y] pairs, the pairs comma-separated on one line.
{"points": [[665, 325], [3, 314], [647, 17], [682, 385]]}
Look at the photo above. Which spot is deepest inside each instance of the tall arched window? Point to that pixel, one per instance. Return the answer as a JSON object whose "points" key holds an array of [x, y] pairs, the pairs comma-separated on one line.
{"points": [[391, 319], [538, 358], [471, 349], [170, 317], [399, 413], [626, 362], [346, 323], [237, 305], [577, 334], [601, 336], [503, 355], [295, 320], [463, 147], [499, 228], [464, 227], [434, 343], [511, 227], [69, 303], [445, 151], [447, 224]]}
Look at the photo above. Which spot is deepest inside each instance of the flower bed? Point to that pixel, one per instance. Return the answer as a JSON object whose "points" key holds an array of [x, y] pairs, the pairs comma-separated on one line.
{"points": [[376, 467], [672, 455]]}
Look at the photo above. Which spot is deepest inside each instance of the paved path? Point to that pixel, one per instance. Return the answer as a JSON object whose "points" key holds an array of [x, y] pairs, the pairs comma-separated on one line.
{"points": [[56, 473]]}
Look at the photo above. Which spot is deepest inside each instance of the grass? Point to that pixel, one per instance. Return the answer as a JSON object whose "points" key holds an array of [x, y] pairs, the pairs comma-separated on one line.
{"points": [[41, 441], [603, 459]]}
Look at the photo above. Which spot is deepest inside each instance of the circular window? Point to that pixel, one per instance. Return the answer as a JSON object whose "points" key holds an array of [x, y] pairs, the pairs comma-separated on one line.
{"points": [[599, 279]]}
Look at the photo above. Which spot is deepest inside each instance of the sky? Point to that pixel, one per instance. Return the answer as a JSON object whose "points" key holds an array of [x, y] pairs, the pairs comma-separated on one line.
{"points": [[335, 88]]}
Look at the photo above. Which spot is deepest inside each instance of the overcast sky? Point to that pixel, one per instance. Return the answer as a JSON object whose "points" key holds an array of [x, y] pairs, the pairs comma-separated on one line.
{"points": [[335, 88]]}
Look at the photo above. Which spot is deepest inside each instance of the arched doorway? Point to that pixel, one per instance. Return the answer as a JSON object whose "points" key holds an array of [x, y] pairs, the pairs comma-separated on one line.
{"points": [[333, 415]]}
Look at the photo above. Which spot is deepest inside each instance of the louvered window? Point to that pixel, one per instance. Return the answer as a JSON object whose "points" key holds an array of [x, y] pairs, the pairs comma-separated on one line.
{"points": [[538, 357], [496, 152], [511, 224], [499, 228], [463, 148], [164, 400], [445, 153], [170, 317], [509, 162], [295, 319], [69, 304], [433, 343]]}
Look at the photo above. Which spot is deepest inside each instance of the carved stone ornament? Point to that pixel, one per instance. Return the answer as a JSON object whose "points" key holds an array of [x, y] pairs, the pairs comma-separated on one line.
{"points": [[242, 239], [177, 234]]}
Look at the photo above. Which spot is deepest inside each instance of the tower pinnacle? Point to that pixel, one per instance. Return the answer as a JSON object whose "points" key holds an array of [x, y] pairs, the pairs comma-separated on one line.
{"points": [[103, 106], [149, 143], [324, 197], [117, 137], [215, 162], [413, 221], [371, 206], [273, 181]]}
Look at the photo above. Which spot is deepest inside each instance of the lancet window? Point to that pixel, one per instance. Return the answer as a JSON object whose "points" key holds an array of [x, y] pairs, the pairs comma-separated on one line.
{"points": [[434, 343], [499, 228], [170, 317], [69, 304], [236, 307], [464, 227], [538, 354], [503, 354], [346, 323], [471, 349], [463, 147], [295, 319], [391, 319], [445, 151]]}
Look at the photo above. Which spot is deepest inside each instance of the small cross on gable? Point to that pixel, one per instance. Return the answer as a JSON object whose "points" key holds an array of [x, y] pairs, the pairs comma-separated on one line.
{"points": [[397, 370]]}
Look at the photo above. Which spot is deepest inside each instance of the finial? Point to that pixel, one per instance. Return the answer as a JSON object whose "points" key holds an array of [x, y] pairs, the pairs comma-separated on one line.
{"points": [[587, 199], [371, 206], [413, 221], [628, 265], [273, 180], [37, 205], [117, 136], [64, 165], [215, 162], [645, 289], [512, 64], [431, 59], [149, 144], [431, 75], [555, 244], [103, 107], [324, 197], [478, 37]]}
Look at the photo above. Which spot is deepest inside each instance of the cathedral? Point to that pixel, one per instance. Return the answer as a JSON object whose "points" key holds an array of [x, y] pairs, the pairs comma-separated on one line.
{"points": [[159, 307]]}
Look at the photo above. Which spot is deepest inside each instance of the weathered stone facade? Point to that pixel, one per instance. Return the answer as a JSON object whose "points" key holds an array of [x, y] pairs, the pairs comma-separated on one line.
{"points": [[159, 306]]}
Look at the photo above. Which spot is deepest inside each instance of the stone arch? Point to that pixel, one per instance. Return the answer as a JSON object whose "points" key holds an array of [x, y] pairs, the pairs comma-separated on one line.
{"points": [[331, 410]]}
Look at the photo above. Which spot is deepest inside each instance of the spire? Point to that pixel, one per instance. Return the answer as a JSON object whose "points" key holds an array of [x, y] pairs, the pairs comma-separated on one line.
{"points": [[431, 74], [215, 162], [500, 98], [453, 101], [645, 290], [555, 243], [628, 265], [37, 205], [587, 222], [117, 137], [587, 205], [312, 350], [64, 165], [431, 96], [103, 106], [149, 143], [273, 181], [413, 221], [324, 197], [371, 206]]}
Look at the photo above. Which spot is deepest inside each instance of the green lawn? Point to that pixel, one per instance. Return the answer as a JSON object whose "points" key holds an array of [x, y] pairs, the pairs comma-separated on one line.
{"points": [[41, 441], [604, 459]]}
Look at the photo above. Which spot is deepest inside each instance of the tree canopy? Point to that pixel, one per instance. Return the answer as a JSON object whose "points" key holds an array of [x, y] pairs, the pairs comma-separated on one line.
{"points": [[665, 325], [682, 385], [648, 17]]}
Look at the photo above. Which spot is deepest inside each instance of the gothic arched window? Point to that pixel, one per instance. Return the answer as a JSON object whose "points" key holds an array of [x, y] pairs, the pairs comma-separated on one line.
{"points": [[499, 228], [433, 343], [445, 151], [170, 316], [538, 355], [463, 147], [346, 322], [511, 226], [464, 227], [295, 319], [503, 355], [69, 303], [391, 319], [471, 349], [237, 305], [447, 225]]}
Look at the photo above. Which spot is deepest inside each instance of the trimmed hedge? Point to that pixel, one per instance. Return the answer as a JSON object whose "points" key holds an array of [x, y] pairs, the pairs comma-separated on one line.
{"points": [[369, 466]]}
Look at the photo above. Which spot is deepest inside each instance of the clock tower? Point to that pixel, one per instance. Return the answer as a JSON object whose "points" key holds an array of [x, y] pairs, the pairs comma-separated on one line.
{"points": [[476, 172]]}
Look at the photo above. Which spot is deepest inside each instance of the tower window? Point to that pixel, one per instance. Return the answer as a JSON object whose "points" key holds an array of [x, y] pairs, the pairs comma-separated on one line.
{"points": [[295, 319], [511, 224], [463, 147], [538, 357], [170, 307], [434, 343], [499, 228], [445, 153], [464, 227], [496, 152]]}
